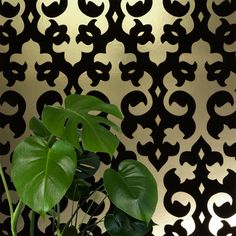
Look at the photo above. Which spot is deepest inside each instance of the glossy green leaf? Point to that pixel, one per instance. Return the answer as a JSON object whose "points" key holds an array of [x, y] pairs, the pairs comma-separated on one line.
{"points": [[119, 223], [78, 189], [132, 189], [63, 122], [42, 174], [70, 231], [87, 165], [38, 128]]}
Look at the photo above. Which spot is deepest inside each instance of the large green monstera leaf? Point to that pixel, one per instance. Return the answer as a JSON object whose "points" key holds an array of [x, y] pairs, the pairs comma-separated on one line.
{"points": [[132, 189], [42, 174], [63, 122]]}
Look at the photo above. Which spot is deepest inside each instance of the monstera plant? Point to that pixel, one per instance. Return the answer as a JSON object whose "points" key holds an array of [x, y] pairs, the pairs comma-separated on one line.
{"points": [[59, 160]]}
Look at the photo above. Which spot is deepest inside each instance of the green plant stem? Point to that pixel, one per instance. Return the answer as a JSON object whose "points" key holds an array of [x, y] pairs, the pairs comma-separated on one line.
{"points": [[7, 191], [76, 217], [15, 217], [13, 214], [54, 219], [92, 215], [51, 140], [58, 217], [32, 223], [93, 225], [80, 149], [87, 210], [72, 208], [78, 207], [58, 233]]}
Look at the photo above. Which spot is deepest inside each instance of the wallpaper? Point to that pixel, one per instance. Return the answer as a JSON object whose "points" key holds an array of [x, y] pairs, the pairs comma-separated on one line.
{"points": [[169, 65]]}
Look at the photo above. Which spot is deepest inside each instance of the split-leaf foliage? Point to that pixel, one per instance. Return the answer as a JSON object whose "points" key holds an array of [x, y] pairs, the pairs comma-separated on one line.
{"points": [[60, 158]]}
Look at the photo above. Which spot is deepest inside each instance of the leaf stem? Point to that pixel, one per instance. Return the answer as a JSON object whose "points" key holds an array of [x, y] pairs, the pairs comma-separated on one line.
{"points": [[7, 191], [32, 223], [90, 206], [76, 217], [58, 216], [58, 232], [93, 225], [92, 215], [15, 217], [78, 207], [51, 140], [13, 214]]}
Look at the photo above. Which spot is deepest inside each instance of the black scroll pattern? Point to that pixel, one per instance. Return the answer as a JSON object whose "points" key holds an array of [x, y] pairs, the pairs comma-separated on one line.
{"points": [[201, 189], [208, 22]]}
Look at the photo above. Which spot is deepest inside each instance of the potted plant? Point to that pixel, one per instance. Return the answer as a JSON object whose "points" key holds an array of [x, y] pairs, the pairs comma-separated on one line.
{"points": [[58, 160]]}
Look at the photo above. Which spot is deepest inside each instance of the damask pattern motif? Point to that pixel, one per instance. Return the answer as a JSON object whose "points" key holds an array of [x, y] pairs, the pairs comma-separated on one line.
{"points": [[170, 67]]}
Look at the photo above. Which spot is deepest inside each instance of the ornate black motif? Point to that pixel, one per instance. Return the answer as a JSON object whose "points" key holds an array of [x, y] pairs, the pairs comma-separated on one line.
{"points": [[200, 189], [54, 9], [225, 8], [16, 121], [8, 10], [91, 9], [175, 229], [216, 122], [169, 65], [176, 8], [140, 8]]}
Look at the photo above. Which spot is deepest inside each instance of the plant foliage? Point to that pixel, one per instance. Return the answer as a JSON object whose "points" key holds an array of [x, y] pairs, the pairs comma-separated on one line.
{"points": [[42, 174], [63, 123], [118, 223], [59, 160], [132, 189]]}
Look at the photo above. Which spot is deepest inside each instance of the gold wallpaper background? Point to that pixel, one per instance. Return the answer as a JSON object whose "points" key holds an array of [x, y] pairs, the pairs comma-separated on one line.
{"points": [[168, 65]]}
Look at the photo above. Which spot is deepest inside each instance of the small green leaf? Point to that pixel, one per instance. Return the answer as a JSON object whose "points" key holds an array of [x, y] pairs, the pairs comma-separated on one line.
{"points": [[132, 189], [70, 231], [87, 165], [42, 174], [38, 128], [116, 225], [119, 223], [78, 189]]}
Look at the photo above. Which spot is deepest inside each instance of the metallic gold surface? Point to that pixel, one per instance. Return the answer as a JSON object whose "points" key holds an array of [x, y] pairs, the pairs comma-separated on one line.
{"points": [[116, 89]]}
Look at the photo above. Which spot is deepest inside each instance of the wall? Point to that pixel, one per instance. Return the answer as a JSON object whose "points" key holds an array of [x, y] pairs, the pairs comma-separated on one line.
{"points": [[168, 65]]}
